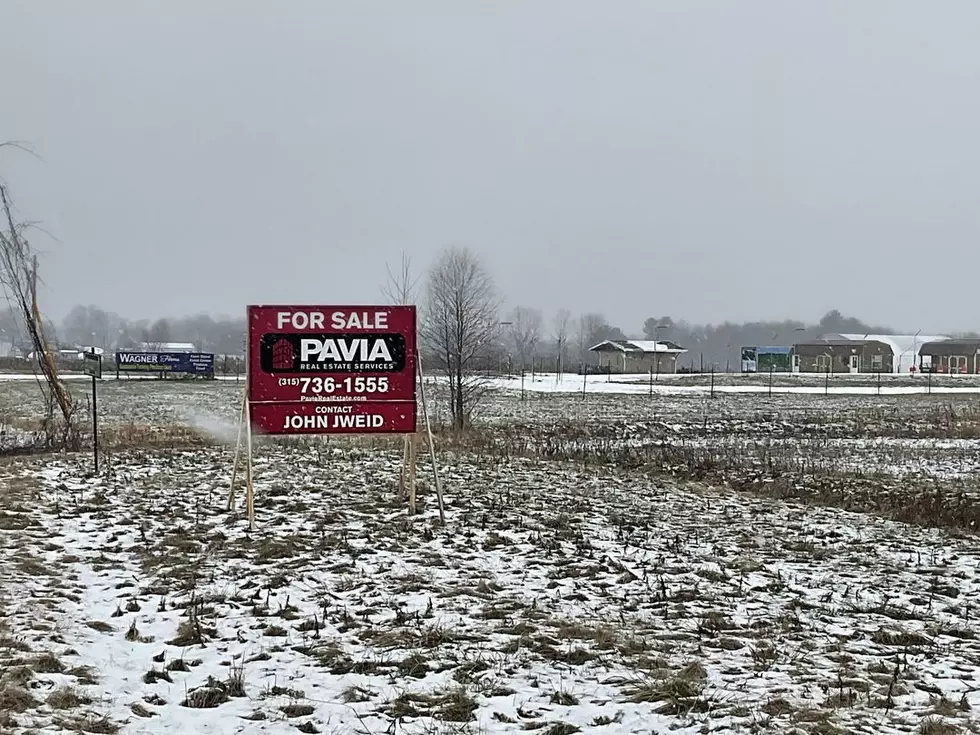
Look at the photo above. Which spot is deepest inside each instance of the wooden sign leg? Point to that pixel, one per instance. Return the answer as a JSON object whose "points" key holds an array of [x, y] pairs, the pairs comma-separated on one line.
{"points": [[402, 487], [249, 490], [432, 445], [238, 452], [412, 464]]}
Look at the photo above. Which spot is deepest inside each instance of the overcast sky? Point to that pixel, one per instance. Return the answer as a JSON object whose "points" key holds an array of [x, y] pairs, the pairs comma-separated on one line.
{"points": [[707, 160]]}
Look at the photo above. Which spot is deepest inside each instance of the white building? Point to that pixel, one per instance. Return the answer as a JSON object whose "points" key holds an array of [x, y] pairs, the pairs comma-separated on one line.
{"points": [[166, 347], [637, 355]]}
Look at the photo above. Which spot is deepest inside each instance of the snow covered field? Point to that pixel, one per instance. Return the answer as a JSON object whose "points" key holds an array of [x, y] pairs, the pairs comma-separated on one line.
{"points": [[614, 563], [737, 383], [670, 383]]}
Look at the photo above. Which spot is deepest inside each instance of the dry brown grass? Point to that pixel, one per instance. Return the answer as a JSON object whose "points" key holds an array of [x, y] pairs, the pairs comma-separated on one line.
{"points": [[455, 705], [140, 711], [90, 724], [67, 698], [679, 693], [772, 470], [938, 726], [206, 697], [142, 436], [48, 663], [14, 698], [297, 710], [14, 644]]}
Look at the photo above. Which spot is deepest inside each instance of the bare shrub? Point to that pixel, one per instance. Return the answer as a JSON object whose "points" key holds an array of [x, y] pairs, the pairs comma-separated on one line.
{"points": [[18, 277]]}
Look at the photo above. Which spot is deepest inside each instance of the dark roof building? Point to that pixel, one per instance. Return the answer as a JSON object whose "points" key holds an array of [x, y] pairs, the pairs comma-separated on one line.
{"points": [[953, 356], [836, 356], [863, 353]]}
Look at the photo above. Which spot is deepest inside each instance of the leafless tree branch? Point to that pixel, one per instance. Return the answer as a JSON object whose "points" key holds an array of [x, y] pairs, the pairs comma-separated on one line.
{"points": [[401, 287], [560, 336], [525, 332], [21, 145], [18, 277]]}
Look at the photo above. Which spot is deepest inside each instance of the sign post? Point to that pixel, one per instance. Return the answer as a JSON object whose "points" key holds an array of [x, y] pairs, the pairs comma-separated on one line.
{"points": [[328, 370], [93, 367]]}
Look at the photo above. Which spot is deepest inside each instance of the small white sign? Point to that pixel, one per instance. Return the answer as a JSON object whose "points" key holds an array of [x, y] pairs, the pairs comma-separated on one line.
{"points": [[93, 364]]}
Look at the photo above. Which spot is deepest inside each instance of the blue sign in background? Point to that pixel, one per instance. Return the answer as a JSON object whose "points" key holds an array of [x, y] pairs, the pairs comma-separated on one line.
{"points": [[189, 363]]}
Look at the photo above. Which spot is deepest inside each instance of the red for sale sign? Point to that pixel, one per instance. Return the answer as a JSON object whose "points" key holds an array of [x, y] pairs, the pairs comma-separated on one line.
{"points": [[332, 369]]}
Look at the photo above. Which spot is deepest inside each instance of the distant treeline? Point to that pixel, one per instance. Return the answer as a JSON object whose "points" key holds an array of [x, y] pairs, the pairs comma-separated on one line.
{"points": [[532, 336], [92, 326]]}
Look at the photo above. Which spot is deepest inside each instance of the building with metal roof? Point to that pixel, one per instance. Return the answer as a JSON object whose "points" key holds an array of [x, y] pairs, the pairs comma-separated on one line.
{"points": [[637, 355]]}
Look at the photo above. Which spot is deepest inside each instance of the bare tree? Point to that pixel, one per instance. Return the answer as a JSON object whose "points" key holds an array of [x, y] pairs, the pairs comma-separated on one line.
{"points": [[589, 327], [560, 335], [157, 335], [460, 324], [18, 276], [401, 287], [593, 329], [85, 325], [525, 332]]}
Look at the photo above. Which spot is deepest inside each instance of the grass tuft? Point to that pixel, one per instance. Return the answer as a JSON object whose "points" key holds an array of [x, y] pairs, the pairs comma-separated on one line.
{"points": [[16, 699], [48, 663], [67, 698], [297, 710], [207, 697]]}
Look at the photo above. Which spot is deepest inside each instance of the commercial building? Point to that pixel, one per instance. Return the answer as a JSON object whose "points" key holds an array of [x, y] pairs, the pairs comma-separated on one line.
{"points": [[897, 354], [951, 356]]}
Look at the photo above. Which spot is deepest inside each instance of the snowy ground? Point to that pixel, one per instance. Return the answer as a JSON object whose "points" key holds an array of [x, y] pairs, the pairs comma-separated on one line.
{"points": [[555, 600], [737, 383], [666, 383], [899, 435], [614, 563]]}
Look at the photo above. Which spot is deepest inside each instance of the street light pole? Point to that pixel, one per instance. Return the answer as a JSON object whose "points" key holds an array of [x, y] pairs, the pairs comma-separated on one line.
{"points": [[656, 347], [915, 351]]}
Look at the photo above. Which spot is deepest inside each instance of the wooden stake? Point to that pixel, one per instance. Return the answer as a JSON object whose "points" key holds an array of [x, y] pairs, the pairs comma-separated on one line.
{"points": [[432, 446], [249, 490], [412, 464], [238, 452], [402, 494]]}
